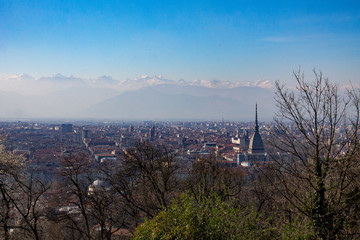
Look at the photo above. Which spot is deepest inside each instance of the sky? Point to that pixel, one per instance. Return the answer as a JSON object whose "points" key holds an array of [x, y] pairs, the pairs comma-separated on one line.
{"points": [[212, 40]]}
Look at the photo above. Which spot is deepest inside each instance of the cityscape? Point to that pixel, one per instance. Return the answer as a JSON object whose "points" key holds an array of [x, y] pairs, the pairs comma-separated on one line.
{"points": [[81, 170], [179, 120], [45, 145]]}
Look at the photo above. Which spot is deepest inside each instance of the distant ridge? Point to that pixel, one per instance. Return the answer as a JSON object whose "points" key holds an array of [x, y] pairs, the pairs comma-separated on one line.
{"points": [[164, 102], [145, 97]]}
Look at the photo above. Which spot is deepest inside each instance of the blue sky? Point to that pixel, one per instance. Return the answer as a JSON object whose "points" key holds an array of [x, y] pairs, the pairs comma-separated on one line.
{"points": [[222, 40]]}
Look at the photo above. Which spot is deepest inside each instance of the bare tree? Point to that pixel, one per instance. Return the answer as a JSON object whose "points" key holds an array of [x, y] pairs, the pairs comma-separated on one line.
{"points": [[207, 176], [21, 197], [96, 212], [146, 181], [29, 205], [75, 171], [317, 165], [11, 167], [105, 197]]}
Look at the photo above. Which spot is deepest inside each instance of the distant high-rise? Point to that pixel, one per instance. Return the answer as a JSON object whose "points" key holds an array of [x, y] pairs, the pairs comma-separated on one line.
{"points": [[86, 133], [241, 141], [152, 132], [66, 128], [131, 128]]}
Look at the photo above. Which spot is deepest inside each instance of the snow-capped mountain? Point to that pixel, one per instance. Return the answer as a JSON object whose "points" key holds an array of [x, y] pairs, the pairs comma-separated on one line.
{"points": [[28, 85], [146, 81], [143, 97]]}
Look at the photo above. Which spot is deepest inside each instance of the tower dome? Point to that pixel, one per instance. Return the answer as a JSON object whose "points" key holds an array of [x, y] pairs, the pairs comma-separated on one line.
{"points": [[256, 145]]}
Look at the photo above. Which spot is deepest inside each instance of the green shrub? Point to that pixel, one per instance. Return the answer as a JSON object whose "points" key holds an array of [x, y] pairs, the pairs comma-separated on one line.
{"points": [[208, 218]]}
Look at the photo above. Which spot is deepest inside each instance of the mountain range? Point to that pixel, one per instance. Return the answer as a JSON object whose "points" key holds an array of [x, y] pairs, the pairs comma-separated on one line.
{"points": [[158, 98]]}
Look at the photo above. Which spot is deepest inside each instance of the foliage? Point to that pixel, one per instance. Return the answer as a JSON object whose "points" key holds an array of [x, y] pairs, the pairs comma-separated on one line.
{"points": [[209, 218]]}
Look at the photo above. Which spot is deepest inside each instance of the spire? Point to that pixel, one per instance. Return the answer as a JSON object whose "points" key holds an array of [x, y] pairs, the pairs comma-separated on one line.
{"points": [[256, 128]]}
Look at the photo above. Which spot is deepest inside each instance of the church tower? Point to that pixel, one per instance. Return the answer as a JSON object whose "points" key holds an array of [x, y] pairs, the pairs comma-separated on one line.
{"points": [[256, 145]]}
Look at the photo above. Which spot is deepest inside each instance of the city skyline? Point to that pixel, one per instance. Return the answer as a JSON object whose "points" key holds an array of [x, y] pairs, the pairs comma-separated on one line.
{"points": [[203, 40], [155, 119]]}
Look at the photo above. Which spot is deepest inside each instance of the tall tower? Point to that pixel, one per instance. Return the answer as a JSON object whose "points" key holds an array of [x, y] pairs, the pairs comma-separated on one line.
{"points": [[152, 132], [256, 128], [256, 145]]}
